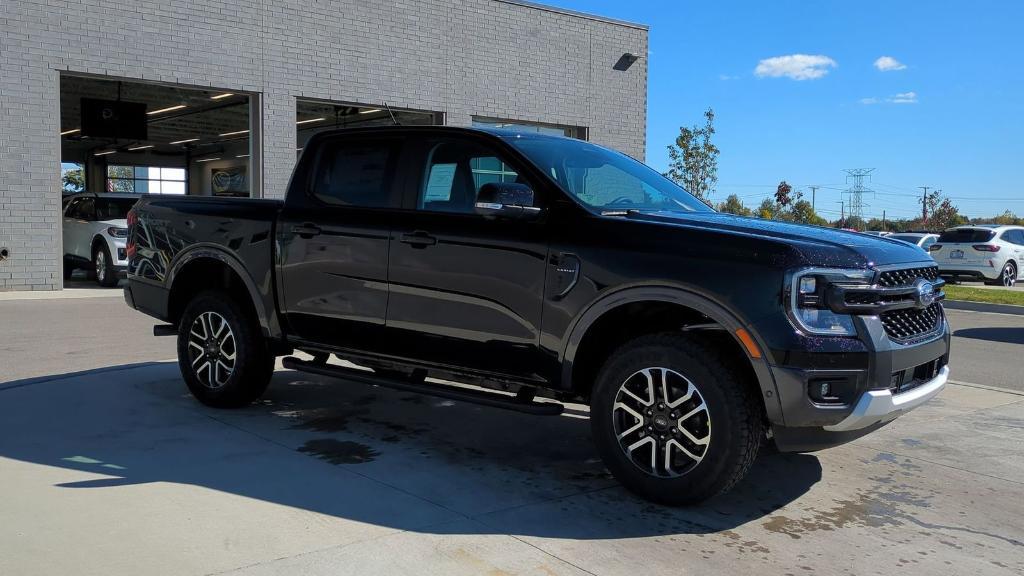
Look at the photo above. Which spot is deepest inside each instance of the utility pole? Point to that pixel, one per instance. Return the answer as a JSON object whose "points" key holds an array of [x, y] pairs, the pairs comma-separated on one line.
{"points": [[814, 194], [883, 222], [924, 205], [842, 214]]}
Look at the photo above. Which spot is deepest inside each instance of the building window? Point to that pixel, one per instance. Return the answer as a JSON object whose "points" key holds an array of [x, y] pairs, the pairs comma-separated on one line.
{"points": [[145, 180], [578, 132]]}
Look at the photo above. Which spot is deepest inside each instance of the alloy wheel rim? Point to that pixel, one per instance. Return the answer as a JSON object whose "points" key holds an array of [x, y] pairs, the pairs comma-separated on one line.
{"points": [[661, 422], [101, 266], [1009, 275], [211, 349]]}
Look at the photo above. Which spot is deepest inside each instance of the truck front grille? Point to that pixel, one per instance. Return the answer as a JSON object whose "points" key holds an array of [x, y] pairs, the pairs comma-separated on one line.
{"points": [[907, 276], [910, 324]]}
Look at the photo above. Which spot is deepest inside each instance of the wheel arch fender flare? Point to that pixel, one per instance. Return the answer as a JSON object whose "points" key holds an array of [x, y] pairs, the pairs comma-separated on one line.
{"points": [[682, 296], [214, 252]]}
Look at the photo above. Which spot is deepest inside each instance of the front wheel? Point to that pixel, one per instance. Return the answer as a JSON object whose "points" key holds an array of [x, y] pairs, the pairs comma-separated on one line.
{"points": [[1009, 276], [103, 266], [221, 352], [673, 421]]}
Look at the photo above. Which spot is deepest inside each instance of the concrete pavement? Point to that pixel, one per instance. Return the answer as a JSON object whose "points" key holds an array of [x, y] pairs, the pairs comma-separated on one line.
{"points": [[121, 472], [108, 467]]}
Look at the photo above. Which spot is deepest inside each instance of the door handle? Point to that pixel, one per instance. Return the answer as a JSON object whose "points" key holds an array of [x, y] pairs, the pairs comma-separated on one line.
{"points": [[306, 230], [418, 239]]}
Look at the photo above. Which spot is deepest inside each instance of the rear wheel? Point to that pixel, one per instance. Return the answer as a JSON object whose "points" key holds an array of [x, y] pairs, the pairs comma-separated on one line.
{"points": [[1008, 277], [673, 421], [103, 267], [221, 352]]}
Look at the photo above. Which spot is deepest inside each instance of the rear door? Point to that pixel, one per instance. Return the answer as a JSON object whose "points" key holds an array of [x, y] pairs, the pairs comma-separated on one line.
{"points": [[1014, 240], [334, 237], [466, 290]]}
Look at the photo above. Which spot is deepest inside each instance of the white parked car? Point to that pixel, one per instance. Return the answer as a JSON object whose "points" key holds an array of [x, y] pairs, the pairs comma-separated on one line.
{"points": [[95, 233], [993, 254], [922, 239]]}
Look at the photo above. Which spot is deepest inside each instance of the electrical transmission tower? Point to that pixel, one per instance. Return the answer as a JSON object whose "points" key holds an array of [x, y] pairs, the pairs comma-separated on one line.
{"points": [[855, 177]]}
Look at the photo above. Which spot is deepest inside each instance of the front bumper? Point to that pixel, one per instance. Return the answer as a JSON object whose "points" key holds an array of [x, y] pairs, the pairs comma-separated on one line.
{"points": [[880, 406], [872, 387]]}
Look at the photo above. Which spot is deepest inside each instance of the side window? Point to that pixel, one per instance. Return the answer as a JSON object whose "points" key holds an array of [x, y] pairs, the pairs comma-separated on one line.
{"points": [[72, 210], [928, 241], [455, 172], [1014, 237], [356, 173], [86, 210]]}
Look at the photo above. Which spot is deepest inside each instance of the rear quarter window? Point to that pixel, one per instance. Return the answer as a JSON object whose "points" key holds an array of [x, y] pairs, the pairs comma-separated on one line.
{"points": [[966, 236]]}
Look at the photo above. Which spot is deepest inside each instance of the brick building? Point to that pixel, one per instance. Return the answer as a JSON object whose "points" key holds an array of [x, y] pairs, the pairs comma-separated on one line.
{"points": [[231, 89]]}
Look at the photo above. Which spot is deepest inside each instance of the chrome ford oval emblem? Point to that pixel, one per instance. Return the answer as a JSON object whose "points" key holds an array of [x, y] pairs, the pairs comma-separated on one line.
{"points": [[924, 296]]}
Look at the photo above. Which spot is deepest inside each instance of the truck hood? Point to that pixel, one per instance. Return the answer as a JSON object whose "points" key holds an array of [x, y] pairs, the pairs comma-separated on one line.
{"points": [[818, 246]]}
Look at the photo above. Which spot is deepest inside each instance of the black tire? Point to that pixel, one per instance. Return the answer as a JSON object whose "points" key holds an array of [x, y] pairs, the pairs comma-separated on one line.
{"points": [[252, 364], [734, 426], [103, 266], [69, 269]]}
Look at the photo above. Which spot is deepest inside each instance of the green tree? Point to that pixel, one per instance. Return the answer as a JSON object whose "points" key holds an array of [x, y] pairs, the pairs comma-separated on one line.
{"points": [[803, 212], [73, 180], [733, 205], [768, 209], [693, 159]]}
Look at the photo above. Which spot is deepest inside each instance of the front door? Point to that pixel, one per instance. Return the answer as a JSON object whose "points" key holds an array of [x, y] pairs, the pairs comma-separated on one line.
{"points": [[466, 290], [334, 234]]}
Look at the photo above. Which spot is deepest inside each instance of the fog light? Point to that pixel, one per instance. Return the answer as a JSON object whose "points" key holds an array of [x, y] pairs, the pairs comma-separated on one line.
{"points": [[808, 285], [825, 391]]}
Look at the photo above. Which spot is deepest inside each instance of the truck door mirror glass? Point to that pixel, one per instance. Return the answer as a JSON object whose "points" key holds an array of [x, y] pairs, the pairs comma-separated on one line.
{"points": [[506, 200]]}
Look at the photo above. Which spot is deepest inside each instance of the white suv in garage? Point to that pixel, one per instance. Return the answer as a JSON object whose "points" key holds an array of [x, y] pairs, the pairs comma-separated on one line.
{"points": [[993, 254], [95, 233]]}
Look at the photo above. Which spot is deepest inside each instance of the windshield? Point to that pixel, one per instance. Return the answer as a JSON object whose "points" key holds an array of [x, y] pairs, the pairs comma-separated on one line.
{"points": [[912, 238], [114, 208], [603, 180]]}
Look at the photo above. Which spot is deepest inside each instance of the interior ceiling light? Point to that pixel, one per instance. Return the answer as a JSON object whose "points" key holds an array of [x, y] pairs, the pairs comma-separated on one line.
{"points": [[66, 132], [168, 109], [224, 95], [208, 159], [141, 147], [104, 153], [369, 111], [242, 156], [184, 141], [310, 120], [235, 133]]}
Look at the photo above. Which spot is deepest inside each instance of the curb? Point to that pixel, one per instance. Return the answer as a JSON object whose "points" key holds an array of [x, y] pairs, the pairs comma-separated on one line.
{"points": [[984, 307]]}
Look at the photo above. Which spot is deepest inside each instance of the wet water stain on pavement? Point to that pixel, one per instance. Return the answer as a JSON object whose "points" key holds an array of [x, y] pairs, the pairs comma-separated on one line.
{"points": [[338, 451]]}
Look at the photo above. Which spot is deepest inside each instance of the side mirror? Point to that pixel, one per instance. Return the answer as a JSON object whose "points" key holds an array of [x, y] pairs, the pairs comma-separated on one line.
{"points": [[506, 200]]}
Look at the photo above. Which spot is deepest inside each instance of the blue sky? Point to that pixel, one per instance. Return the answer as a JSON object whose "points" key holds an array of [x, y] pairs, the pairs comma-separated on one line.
{"points": [[952, 118]]}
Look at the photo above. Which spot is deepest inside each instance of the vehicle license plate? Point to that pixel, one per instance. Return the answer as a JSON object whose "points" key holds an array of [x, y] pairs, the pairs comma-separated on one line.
{"points": [[956, 254]]}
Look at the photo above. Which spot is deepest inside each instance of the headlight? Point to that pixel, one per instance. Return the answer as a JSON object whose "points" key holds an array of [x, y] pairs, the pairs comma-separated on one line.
{"points": [[115, 232], [805, 294]]}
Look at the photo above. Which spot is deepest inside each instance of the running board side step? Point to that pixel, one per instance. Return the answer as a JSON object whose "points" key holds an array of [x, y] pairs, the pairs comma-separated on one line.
{"points": [[492, 399]]}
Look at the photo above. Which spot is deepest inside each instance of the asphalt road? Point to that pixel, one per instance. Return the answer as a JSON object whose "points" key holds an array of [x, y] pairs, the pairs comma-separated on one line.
{"points": [[988, 349]]}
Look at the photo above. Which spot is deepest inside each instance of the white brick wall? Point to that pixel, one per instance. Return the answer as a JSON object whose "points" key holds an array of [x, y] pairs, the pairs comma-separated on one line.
{"points": [[493, 58]]}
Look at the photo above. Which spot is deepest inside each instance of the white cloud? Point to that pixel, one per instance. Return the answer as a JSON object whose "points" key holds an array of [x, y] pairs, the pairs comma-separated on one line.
{"points": [[795, 66], [889, 64], [904, 98], [869, 101], [728, 77]]}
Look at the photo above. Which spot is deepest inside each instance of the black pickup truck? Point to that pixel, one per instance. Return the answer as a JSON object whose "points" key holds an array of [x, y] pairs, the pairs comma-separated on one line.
{"points": [[524, 271]]}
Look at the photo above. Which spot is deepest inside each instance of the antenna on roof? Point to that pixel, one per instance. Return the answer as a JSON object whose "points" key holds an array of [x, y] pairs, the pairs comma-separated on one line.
{"points": [[393, 119]]}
